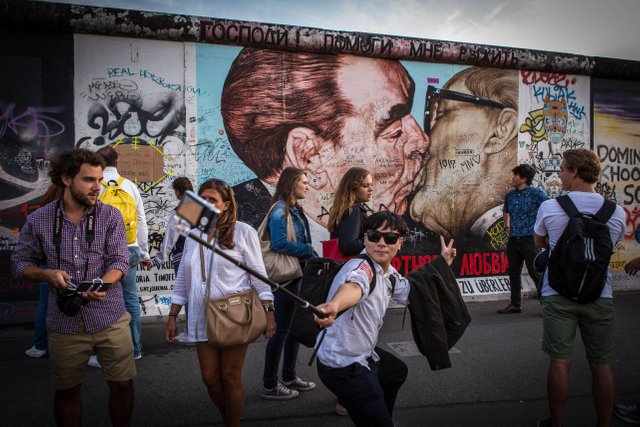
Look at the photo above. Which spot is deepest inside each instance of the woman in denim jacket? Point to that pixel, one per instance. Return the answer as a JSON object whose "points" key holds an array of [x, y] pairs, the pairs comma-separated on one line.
{"points": [[291, 187]]}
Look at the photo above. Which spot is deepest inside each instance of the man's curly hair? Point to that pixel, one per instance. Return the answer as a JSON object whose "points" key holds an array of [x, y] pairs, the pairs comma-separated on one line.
{"points": [[69, 162]]}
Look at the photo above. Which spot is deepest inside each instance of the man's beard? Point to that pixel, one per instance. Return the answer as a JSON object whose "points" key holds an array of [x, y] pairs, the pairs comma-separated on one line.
{"points": [[80, 197]]}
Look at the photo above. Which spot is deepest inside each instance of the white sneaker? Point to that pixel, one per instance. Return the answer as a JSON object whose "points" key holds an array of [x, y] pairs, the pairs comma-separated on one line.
{"points": [[94, 362], [34, 352]]}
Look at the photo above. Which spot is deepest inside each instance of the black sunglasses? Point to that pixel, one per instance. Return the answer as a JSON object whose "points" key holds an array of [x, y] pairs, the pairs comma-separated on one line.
{"points": [[434, 93], [390, 238]]}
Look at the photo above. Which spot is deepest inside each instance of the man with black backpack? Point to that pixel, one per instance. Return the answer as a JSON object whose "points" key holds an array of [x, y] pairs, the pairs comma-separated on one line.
{"points": [[365, 378], [580, 230]]}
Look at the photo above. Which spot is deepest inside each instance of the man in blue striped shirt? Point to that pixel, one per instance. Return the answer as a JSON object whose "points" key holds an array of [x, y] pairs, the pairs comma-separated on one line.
{"points": [[519, 212]]}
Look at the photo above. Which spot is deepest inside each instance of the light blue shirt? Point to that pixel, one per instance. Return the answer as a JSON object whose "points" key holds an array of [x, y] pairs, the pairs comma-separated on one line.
{"points": [[353, 336]]}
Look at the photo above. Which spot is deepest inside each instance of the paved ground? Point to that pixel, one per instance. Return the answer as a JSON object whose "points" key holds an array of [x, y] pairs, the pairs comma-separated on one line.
{"points": [[497, 379]]}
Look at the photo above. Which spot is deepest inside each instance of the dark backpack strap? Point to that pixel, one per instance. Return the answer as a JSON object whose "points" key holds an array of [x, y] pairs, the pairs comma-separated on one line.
{"points": [[567, 206], [606, 211]]}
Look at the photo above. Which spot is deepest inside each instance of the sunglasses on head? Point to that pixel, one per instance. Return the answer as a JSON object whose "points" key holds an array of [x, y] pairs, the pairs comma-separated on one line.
{"points": [[390, 237], [221, 183]]}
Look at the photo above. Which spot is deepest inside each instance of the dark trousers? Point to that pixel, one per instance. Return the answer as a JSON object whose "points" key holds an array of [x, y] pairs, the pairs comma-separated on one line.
{"points": [[368, 394], [282, 341], [519, 251]]}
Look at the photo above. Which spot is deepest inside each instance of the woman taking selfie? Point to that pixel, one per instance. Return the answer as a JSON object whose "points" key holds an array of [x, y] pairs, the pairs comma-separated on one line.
{"points": [[291, 187], [348, 212], [221, 367]]}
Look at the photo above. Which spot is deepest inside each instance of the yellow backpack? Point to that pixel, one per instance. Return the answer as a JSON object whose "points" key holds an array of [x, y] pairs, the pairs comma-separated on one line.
{"points": [[115, 196]]}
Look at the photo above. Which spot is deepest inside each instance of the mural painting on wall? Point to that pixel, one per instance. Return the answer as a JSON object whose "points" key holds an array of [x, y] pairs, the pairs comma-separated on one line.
{"points": [[128, 95], [440, 139], [616, 106], [265, 110], [554, 116], [36, 116]]}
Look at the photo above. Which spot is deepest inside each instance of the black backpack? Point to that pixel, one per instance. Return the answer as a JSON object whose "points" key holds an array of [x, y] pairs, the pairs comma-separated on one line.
{"points": [[318, 275], [579, 262]]}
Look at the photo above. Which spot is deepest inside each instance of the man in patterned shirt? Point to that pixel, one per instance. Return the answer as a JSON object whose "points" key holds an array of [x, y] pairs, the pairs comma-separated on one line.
{"points": [[519, 212], [79, 238]]}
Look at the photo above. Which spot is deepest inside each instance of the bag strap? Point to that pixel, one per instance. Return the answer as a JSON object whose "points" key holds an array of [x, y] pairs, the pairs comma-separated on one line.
{"points": [[291, 231], [263, 229], [207, 291], [606, 211], [568, 206], [202, 269]]}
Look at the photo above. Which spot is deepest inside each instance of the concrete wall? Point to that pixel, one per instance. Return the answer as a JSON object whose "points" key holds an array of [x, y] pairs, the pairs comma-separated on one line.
{"points": [[157, 96]]}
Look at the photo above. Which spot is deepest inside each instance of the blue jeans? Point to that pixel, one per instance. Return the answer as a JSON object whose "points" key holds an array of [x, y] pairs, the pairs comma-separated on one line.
{"points": [[282, 339], [40, 330], [368, 394], [130, 293]]}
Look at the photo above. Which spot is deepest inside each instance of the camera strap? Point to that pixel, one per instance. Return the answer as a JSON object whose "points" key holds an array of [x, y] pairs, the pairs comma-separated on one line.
{"points": [[89, 233]]}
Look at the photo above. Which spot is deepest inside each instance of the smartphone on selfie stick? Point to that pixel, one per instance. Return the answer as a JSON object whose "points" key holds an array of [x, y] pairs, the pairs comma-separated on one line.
{"points": [[202, 215]]}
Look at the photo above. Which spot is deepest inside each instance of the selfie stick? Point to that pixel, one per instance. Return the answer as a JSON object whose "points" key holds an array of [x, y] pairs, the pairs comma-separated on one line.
{"points": [[183, 227]]}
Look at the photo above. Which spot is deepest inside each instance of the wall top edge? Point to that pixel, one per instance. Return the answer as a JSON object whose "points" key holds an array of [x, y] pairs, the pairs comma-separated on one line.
{"points": [[35, 16]]}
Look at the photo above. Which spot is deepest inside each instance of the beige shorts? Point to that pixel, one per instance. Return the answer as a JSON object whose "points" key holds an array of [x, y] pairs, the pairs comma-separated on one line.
{"points": [[69, 354]]}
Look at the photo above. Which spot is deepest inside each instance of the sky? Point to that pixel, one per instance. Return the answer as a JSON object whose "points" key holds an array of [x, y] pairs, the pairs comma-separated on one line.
{"points": [[606, 28]]}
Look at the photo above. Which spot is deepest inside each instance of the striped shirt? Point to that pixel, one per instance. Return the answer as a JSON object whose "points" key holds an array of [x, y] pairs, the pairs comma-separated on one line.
{"points": [[107, 252]]}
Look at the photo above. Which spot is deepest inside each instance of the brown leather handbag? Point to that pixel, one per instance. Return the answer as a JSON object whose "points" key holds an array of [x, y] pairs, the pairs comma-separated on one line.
{"points": [[235, 319]]}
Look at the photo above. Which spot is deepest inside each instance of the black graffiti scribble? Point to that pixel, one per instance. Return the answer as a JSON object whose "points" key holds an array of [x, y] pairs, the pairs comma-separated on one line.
{"points": [[125, 118], [155, 240], [607, 191]]}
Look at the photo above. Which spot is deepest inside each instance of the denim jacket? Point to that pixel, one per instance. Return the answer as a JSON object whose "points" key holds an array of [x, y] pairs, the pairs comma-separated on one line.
{"points": [[278, 230]]}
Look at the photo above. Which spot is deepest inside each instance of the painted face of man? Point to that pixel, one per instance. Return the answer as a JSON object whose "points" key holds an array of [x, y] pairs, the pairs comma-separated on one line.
{"points": [[462, 179], [381, 136]]}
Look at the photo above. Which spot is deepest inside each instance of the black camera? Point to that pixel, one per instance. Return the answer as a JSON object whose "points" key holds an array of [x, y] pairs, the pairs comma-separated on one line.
{"points": [[69, 301]]}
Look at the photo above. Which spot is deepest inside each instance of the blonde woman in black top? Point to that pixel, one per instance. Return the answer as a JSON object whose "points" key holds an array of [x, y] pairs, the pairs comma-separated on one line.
{"points": [[347, 215]]}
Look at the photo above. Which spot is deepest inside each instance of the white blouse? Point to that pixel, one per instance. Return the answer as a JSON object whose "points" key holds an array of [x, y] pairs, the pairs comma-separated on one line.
{"points": [[226, 277]]}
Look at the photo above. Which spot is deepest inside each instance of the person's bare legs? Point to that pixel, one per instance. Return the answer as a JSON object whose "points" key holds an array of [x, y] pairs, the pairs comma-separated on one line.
{"points": [[210, 370], [603, 388], [121, 398], [558, 389], [68, 407], [222, 374], [232, 362]]}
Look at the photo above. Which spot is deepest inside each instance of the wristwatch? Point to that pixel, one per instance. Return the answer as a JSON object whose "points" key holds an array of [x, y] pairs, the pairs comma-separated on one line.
{"points": [[269, 308]]}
